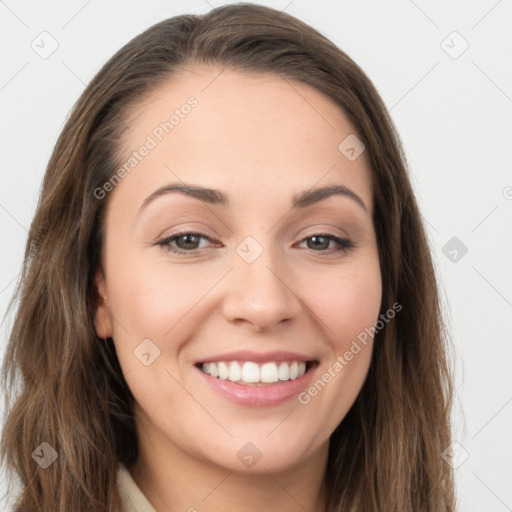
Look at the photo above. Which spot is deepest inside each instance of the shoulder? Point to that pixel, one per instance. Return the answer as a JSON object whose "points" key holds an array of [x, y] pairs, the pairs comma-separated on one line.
{"points": [[131, 495]]}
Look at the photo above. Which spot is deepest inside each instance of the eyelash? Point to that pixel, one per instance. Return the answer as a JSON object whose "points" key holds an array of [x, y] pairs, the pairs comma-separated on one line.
{"points": [[344, 243]]}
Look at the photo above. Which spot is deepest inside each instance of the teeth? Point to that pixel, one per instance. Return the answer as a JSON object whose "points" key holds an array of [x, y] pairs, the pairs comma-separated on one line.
{"points": [[235, 372], [223, 371], [294, 370], [269, 373], [284, 371], [214, 370], [252, 373]]}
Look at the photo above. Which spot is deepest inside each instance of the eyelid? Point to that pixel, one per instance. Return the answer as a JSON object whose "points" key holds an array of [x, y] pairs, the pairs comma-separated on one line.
{"points": [[315, 229], [196, 228]]}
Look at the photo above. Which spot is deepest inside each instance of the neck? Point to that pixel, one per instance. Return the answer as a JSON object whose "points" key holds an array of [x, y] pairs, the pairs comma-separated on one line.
{"points": [[174, 480]]}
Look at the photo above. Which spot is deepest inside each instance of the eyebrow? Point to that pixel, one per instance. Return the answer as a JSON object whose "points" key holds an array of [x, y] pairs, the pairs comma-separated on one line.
{"points": [[217, 197]]}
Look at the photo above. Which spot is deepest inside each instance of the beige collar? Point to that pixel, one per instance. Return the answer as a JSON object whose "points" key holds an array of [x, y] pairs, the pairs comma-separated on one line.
{"points": [[133, 499]]}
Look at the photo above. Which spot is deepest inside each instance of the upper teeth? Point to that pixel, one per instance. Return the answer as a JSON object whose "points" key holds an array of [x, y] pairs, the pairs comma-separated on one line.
{"points": [[252, 373]]}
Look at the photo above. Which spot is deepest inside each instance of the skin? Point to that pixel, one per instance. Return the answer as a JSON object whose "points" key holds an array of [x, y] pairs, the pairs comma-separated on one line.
{"points": [[261, 140]]}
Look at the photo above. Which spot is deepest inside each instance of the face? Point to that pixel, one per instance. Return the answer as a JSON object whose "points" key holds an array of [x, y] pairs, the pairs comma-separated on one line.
{"points": [[260, 281]]}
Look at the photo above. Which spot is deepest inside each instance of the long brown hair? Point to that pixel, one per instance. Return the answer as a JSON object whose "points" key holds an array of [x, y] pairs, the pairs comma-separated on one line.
{"points": [[64, 385]]}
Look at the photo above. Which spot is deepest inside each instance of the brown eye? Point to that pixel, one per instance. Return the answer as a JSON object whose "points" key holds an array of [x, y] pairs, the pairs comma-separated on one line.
{"points": [[183, 243], [321, 242], [318, 242]]}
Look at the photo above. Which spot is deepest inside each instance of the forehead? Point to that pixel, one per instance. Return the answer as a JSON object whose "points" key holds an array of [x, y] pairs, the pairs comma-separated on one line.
{"points": [[245, 131]]}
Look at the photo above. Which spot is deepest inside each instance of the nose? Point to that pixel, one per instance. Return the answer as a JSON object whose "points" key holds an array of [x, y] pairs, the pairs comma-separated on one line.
{"points": [[260, 294]]}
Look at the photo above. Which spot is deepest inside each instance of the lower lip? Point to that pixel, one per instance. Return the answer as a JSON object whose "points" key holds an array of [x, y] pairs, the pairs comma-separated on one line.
{"points": [[259, 396]]}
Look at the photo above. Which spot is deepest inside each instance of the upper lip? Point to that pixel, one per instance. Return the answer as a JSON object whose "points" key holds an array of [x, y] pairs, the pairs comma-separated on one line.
{"points": [[256, 357]]}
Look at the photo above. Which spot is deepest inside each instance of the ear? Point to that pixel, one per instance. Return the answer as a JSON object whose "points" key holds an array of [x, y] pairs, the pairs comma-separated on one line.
{"points": [[102, 317]]}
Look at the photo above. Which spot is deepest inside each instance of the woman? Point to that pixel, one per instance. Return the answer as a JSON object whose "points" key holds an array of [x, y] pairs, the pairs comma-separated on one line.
{"points": [[228, 301]]}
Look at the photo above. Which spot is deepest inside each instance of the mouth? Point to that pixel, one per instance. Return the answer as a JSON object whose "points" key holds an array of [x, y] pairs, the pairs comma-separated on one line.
{"points": [[251, 373], [271, 382], [251, 378]]}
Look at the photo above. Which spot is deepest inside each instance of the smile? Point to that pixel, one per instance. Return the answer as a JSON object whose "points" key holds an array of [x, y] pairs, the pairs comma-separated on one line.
{"points": [[251, 373], [251, 384]]}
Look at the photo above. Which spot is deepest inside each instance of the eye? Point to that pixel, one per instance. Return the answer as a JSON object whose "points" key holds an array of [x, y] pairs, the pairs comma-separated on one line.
{"points": [[186, 243], [190, 243], [320, 242]]}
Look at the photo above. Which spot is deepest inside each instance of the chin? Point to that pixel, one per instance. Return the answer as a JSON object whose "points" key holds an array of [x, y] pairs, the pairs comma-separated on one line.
{"points": [[261, 455]]}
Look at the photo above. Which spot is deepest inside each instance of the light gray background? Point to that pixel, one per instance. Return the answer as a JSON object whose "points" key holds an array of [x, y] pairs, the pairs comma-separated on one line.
{"points": [[454, 116]]}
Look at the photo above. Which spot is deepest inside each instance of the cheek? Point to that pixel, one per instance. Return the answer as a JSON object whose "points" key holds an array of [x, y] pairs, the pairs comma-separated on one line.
{"points": [[152, 298], [162, 303], [349, 306], [347, 313], [153, 318]]}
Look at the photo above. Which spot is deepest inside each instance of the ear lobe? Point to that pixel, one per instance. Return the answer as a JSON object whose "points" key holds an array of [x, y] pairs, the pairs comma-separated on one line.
{"points": [[102, 317]]}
